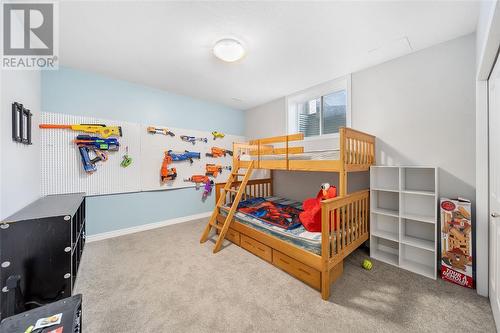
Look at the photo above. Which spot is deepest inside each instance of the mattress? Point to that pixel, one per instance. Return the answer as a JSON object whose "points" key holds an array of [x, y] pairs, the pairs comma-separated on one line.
{"points": [[319, 155], [299, 236]]}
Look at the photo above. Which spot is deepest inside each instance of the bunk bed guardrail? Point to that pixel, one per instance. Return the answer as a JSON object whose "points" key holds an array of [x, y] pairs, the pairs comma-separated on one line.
{"points": [[357, 153], [344, 225]]}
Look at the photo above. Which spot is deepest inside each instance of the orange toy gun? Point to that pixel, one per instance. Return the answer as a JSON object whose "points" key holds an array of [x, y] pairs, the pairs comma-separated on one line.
{"points": [[213, 170], [103, 130], [219, 152], [164, 131], [200, 179], [167, 174]]}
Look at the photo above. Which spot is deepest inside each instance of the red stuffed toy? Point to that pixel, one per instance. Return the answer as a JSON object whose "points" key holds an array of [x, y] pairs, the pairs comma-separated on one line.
{"points": [[311, 216]]}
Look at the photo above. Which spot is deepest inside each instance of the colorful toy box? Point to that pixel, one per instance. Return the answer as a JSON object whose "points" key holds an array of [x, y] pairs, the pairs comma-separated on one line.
{"points": [[456, 242]]}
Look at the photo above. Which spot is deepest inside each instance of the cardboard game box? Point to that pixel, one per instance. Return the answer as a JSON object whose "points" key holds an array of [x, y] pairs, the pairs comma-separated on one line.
{"points": [[456, 241]]}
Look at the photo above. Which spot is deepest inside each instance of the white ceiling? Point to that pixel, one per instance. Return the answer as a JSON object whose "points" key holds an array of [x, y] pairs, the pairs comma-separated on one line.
{"points": [[291, 46]]}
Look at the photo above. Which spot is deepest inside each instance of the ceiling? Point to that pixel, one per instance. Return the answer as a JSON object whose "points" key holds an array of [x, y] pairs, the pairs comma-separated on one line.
{"points": [[290, 46]]}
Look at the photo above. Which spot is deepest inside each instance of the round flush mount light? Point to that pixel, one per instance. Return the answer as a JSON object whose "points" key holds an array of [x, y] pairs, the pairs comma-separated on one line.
{"points": [[229, 50]]}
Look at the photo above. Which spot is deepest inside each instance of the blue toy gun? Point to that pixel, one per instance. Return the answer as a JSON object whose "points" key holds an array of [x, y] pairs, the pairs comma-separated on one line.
{"points": [[89, 163], [187, 155], [92, 144], [193, 139], [97, 143]]}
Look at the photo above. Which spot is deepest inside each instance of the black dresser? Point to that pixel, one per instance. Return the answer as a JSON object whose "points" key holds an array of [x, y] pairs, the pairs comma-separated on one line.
{"points": [[40, 251]]}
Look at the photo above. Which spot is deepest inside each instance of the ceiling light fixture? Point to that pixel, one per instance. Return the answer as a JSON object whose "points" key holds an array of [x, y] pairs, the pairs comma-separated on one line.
{"points": [[229, 50]]}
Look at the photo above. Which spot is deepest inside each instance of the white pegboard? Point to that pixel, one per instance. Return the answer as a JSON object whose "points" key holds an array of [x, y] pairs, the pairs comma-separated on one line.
{"points": [[61, 166], [153, 147]]}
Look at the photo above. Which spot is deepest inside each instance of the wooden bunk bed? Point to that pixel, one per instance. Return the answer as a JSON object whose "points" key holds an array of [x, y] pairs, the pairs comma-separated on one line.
{"points": [[345, 219]]}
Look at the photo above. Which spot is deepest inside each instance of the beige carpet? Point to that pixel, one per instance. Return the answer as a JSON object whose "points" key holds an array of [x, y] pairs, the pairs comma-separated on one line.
{"points": [[163, 280]]}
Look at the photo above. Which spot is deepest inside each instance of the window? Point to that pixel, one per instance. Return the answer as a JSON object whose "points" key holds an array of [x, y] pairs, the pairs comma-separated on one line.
{"points": [[320, 110]]}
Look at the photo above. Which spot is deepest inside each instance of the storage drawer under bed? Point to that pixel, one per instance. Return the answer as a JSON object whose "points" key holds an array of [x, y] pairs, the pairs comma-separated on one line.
{"points": [[257, 248], [297, 269], [233, 236]]}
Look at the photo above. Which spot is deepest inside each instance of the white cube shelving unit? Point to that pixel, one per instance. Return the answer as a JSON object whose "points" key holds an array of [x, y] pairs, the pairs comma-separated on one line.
{"points": [[403, 223]]}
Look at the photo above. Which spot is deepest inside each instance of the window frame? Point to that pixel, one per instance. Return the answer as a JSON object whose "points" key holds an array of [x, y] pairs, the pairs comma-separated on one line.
{"points": [[318, 91]]}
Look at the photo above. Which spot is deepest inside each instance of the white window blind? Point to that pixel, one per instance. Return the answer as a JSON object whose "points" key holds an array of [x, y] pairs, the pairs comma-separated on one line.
{"points": [[320, 110]]}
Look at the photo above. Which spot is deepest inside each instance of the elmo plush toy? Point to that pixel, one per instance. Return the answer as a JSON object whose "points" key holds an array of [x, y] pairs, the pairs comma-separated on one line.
{"points": [[311, 216]]}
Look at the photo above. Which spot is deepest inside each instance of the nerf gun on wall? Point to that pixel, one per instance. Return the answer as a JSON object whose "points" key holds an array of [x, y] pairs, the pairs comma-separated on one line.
{"points": [[89, 164], [200, 179], [164, 131], [193, 139], [166, 173], [91, 144], [103, 130], [219, 152], [218, 135], [186, 155], [97, 143], [213, 170]]}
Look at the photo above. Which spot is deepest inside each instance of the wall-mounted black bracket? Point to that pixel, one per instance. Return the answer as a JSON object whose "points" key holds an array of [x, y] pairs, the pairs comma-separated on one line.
{"points": [[21, 124]]}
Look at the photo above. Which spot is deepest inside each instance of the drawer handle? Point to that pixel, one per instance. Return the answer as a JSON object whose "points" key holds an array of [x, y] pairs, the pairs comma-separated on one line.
{"points": [[283, 260], [303, 271]]}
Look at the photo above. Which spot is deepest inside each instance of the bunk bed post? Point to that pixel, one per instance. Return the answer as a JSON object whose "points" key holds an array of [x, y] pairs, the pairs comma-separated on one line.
{"points": [[235, 156], [325, 253], [342, 172], [271, 183]]}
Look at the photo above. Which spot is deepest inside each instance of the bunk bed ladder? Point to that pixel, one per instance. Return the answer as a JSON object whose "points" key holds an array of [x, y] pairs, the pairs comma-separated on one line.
{"points": [[212, 223]]}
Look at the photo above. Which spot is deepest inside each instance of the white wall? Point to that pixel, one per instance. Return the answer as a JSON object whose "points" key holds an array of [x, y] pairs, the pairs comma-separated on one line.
{"points": [[266, 120], [19, 163], [420, 107]]}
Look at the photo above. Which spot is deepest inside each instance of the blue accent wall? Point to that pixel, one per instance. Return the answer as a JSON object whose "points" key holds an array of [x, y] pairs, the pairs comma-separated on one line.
{"points": [[78, 92]]}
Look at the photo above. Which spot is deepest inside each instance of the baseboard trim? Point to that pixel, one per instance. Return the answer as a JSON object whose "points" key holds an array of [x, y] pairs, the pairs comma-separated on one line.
{"points": [[144, 227]]}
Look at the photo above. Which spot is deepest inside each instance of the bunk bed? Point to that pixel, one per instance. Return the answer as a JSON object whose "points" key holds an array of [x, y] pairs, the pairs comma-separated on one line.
{"points": [[314, 258]]}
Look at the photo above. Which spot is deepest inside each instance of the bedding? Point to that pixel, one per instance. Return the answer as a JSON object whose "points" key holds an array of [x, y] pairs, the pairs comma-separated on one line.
{"points": [[298, 236], [272, 212]]}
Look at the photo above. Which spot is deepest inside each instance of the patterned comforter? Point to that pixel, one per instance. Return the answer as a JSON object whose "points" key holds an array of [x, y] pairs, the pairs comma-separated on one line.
{"points": [[298, 235]]}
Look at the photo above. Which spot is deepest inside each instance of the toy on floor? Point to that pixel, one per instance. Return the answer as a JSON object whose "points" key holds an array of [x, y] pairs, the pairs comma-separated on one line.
{"points": [[218, 135], [311, 216], [186, 155], [219, 152], [193, 139], [367, 264], [103, 130], [126, 159], [164, 131], [167, 173], [214, 170]]}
